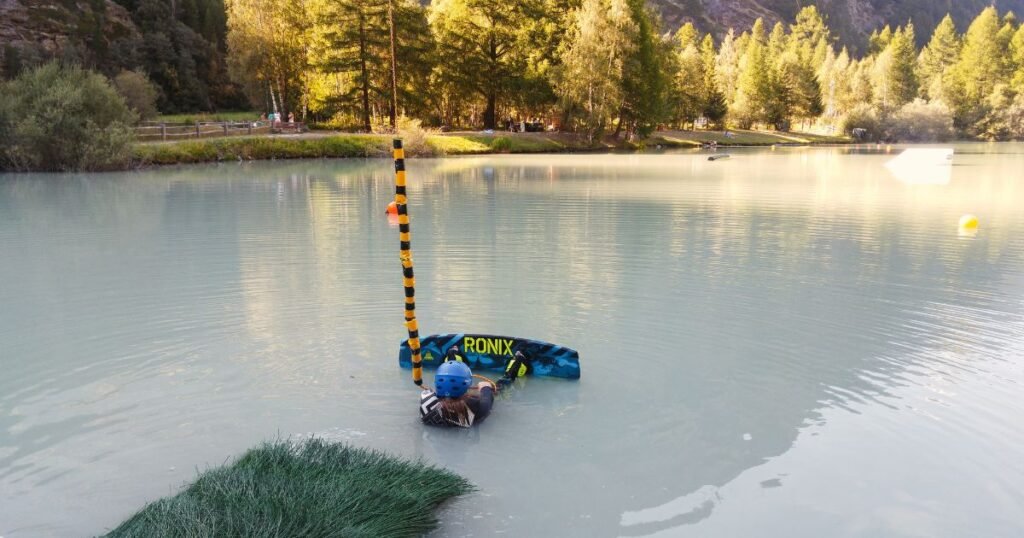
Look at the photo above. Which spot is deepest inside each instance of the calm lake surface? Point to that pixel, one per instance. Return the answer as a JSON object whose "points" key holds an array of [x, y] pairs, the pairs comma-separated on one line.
{"points": [[793, 342]]}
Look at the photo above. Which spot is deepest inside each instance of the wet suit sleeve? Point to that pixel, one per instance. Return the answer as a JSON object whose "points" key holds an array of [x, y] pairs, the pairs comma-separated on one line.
{"points": [[481, 405], [430, 409]]}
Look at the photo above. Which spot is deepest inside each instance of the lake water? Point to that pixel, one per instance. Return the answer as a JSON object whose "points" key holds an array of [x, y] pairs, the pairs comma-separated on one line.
{"points": [[793, 342]]}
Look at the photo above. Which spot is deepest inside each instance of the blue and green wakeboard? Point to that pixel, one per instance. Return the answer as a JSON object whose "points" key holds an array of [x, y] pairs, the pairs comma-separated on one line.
{"points": [[487, 352]]}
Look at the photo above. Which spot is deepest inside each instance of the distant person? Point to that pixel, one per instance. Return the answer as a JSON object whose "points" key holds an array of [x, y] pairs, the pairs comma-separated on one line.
{"points": [[291, 117], [455, 401]]}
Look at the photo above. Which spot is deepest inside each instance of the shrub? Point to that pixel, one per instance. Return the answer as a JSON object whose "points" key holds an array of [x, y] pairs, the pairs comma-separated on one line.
{"points": [[1013, 119], [139, 93], [414, 137], [63, 118], [863, 123], [501, 143], [920, 121]]}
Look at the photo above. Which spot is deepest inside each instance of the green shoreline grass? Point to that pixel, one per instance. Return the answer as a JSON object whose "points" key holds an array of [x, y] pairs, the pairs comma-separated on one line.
{"points": [[311, 488], [358, 145]]}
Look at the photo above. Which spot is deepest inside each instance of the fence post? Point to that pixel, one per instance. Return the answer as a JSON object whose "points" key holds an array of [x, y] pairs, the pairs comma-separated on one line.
{"points": [[250, 128], [163, 131], [197, 129]]}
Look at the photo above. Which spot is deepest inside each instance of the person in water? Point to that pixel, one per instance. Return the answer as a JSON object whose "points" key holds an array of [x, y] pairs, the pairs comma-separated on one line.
{"points": [[454, 400]]}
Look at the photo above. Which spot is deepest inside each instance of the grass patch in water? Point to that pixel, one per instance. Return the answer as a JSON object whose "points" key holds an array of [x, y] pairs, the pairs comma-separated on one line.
{"points": [[311, 488]]}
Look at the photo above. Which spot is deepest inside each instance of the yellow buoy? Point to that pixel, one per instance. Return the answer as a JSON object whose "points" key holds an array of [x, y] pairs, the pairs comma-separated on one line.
{"points": [[969, 222]]}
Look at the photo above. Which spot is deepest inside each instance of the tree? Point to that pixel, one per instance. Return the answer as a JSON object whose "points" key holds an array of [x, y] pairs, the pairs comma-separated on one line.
{"points": [[483, 51], [646, 80], [138, 92], [878, 41], [756, 86], [894, 78], [600, 37], [267, 51], [713, 103], [688, 82], [1017, 48], [62, 119], [982, 66], [542, 39], [937, 57], [351, 39], [727, 66]]}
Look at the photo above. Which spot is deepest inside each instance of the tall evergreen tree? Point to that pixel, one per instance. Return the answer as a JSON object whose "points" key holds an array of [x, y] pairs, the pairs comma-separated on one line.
{"points": [[646, 81], [895, 79], [756, 85], [1017, 58], [937, 57], [878, 41], [713, 102], [982, 66], [352, 38], [688, 84], [482, 46]]}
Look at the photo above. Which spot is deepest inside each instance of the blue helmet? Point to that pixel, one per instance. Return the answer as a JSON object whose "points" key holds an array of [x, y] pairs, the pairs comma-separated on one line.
{"points": [[453, 379]]}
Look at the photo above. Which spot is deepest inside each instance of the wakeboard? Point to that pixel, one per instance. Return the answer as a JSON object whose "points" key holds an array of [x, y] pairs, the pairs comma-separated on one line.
{"points": [[488, 352]]}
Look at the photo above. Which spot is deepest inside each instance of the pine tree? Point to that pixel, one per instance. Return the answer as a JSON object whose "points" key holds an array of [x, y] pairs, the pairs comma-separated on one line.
{"points": [[895, 80], [879, 40], [688, 84], [983, 65], [483, 52], [646, 81], [713, 102], [755, 84], [1017, 58], [351, 39], [937, 57]]}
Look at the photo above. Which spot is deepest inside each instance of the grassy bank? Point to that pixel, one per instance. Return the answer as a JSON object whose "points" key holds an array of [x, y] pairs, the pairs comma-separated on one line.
{"points": [[260, 147], [474, 143], [320, 145], [312, 488], [742, 138], [247, 115]]}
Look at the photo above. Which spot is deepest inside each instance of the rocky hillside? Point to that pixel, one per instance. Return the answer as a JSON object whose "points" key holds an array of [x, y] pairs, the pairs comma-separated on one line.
{"points": [[851, 20], [51, 26], [179, 44]]}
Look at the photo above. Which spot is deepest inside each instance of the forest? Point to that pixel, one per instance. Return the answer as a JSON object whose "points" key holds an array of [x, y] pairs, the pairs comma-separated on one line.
{"points": [[602, 68], [609, 67]]}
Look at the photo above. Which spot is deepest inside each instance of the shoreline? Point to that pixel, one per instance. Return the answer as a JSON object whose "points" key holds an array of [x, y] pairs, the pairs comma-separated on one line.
{"points": [[346, 145]]}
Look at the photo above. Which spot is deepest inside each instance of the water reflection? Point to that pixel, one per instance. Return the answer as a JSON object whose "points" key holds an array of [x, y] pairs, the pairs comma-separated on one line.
{"points": [[748, 326]]}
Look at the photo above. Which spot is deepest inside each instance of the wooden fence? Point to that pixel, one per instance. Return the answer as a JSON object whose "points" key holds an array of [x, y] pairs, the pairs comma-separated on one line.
{"points": [[150, 131]]}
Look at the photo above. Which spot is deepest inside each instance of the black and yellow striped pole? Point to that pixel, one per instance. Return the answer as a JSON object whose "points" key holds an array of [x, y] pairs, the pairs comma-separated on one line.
{"points": [[408, 280]]}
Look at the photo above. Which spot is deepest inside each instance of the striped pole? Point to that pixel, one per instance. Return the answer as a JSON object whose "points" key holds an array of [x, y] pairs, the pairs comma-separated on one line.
{"points": [[408, 280]]}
